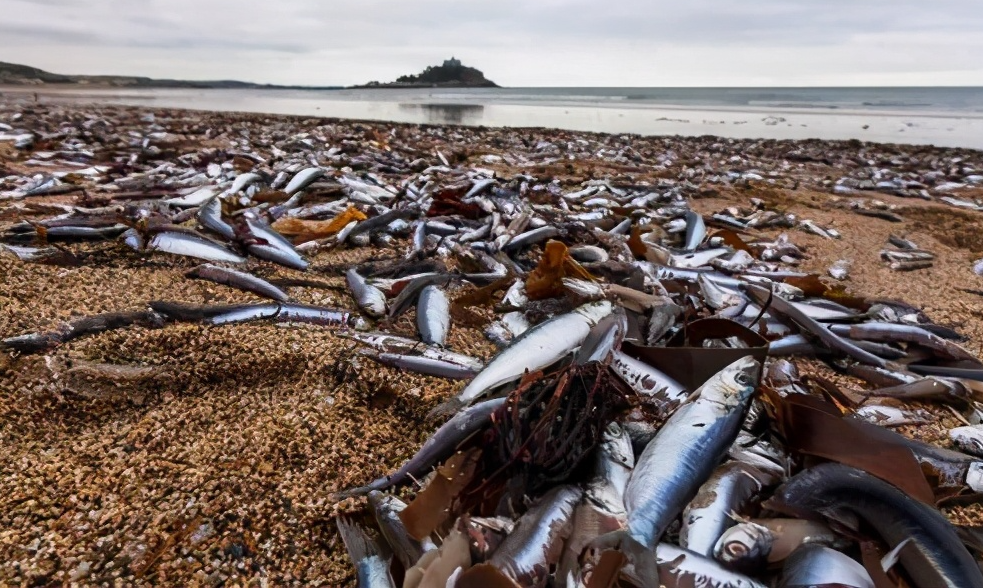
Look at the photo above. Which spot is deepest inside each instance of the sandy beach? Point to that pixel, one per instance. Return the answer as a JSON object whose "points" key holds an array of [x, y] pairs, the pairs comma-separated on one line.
{"points": [[214, 462]]}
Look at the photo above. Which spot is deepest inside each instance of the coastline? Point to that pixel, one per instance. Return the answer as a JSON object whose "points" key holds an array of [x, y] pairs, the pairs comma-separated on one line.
{"points": [[507, 108], [219, 466]]}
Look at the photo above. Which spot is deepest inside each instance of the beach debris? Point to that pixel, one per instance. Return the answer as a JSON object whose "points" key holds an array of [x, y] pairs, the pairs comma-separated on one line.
{"points": [[840, 269]]}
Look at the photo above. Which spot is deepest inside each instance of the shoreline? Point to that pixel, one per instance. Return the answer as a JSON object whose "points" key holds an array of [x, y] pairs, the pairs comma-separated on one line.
{"points": [[887, 126], [216, 460]]}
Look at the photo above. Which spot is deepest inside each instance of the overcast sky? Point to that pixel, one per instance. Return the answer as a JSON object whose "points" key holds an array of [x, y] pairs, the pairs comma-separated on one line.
{"points": [[515, 42]]}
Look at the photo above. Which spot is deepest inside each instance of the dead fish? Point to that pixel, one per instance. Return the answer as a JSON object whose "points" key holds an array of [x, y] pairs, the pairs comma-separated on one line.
{"points": [[433, 315], [696, 230], [50, 255], [603, 339], [675, 566], [816, 565], [934, 557], [978, 267], [906, 256], [891, 416], [302, 179], [424, 365], [371, 562], [685, 450], [386, 509], [395, 344], [272, 246], [411, 292], [537, 348], [645, 379], [968, 439], [840, 270], [894, 333], [588, 254], [707, 516], [195, 198], [902, 243], [536, 543], [242, 181], [439, 446], [909, 266], [237, 279], [748, 545], [210, 216], [192, 245], [603, 508], [369, 299]]}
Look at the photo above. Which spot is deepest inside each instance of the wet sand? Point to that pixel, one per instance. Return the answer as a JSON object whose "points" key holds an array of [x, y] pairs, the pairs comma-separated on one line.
{"points": [[216, 466]]}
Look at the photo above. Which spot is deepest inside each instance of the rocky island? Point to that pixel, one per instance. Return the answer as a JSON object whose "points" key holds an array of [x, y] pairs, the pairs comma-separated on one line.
{"points": [[452, 73]]}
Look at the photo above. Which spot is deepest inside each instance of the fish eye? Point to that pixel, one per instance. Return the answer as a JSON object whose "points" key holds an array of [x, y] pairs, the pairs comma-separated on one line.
{"points": [[743, 379]]}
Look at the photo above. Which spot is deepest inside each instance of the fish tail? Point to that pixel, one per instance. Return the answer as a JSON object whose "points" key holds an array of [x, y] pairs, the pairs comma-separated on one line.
{"points": [[357, 542], [447, 408]]}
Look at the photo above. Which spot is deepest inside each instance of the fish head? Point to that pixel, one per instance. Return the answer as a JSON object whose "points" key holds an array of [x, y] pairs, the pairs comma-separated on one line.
{"points": [[744, 546], [734, 384], [616, 445]]}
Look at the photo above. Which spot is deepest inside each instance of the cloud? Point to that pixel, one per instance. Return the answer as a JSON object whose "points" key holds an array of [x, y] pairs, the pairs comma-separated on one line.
{"points": [[547, 42]]}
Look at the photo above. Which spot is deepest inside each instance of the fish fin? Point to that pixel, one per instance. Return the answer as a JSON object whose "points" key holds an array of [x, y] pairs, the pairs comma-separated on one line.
{"points": [[891, 557], [447, 408], [357, 542]]}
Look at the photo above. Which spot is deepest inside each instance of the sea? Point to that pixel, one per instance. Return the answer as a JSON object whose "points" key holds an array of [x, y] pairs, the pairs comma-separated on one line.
{"points": [[943, 116]]}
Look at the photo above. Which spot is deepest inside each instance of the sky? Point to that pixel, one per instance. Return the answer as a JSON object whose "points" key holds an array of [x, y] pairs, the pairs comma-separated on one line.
{"points": [[514, 42]]}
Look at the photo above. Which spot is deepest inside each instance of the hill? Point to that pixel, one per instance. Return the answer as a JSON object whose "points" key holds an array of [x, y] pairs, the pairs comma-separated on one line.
{"points": [[15, 74], [451, 73]]}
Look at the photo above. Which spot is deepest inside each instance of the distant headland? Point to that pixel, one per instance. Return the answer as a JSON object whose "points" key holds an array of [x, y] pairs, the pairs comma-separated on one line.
{"points": [[450, 74], [24, 75]]}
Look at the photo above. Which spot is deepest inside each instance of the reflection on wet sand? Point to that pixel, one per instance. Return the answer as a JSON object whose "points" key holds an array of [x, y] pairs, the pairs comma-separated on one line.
{"points": [[443, 114]]}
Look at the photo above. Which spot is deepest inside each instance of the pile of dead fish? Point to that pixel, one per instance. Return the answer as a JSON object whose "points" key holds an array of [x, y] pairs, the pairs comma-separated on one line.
{"points": [[640, 424]]}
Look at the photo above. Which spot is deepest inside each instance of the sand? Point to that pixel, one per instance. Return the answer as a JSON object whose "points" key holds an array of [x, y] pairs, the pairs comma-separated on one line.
{"points": [[215, 465]]}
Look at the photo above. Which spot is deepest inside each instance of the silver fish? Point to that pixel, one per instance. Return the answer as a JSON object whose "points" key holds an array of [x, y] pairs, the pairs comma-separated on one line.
{"points": [[302, 179], [707, 516], [537, 348], [536, 543], [646, 380], [386, 509], [193, 246], [237, 279], [196, 198], [968, 439], [675, 566], [750, 544], [684, 452], [892, 416], [274, 248], [244, 180], [696, 230], [370, 299], [424, 365], [439, 446], [401, 345], [603, 508], [210, 216], [371, 563], [816, 565], [433, 315], [604, 338]]}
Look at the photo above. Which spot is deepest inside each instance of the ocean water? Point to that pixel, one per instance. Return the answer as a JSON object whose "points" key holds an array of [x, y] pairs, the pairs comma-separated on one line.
{"points": [[945, 116]]}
